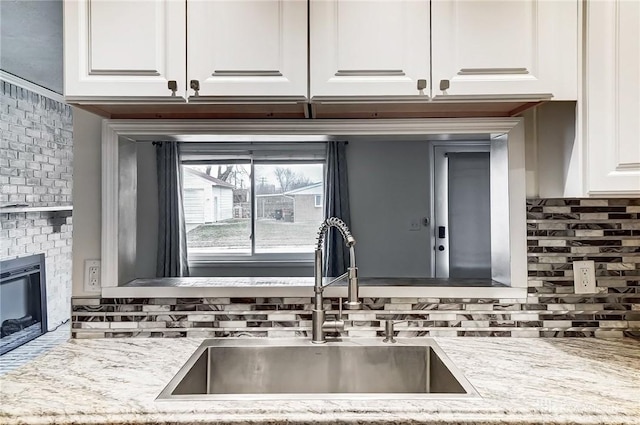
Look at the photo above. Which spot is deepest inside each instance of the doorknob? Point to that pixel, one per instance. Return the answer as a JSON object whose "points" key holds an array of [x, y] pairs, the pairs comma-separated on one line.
{"points": [[441, 248]]}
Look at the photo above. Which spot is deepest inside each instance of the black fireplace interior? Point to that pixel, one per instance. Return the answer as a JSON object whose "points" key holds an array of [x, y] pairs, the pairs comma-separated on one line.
{"points": [[23, 301]]}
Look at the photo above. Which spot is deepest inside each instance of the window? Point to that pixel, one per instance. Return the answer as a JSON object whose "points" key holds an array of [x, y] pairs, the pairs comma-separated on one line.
{"points": [[256, 205], [318, 201]]}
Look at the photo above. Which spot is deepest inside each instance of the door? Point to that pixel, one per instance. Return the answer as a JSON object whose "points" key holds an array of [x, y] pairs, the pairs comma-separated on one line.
{"points": [[124, 48], [506, 47], [368, 48], [462, 212], [247, 48]]}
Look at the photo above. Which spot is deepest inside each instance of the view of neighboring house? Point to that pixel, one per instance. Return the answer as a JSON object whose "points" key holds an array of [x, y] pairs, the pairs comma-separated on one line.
{"points": [[206, 198], [307, 203], [297, 205]]}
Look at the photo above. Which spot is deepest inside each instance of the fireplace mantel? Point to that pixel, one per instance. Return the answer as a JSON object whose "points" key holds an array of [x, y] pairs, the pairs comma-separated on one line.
{"points": [[4, 210]]}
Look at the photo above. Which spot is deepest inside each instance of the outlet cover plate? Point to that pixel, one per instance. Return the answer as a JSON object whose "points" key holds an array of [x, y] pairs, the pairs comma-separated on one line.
{"points": [[92, 273], [584, 277]]}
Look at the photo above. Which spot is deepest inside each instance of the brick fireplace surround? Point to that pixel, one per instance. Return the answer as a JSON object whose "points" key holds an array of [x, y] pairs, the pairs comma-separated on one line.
{"points": [[36, 168]]}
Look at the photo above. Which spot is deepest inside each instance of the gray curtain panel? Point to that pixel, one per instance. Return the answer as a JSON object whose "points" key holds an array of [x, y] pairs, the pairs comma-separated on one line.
{"points": [[336, 258], [172, 234]]}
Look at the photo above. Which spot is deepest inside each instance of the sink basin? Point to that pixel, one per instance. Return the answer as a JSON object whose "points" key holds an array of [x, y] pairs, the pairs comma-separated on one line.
{"points": [[262, 369]]}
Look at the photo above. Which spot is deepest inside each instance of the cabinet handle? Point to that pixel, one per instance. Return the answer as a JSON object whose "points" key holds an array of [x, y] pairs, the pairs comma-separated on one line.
{"points": [[422, 84], [444, 85], [195, 85], [173, 86]]}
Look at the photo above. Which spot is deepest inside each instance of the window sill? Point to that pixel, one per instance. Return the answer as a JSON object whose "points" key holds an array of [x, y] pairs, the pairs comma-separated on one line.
{"points": [[202, 287], [202, 263]]}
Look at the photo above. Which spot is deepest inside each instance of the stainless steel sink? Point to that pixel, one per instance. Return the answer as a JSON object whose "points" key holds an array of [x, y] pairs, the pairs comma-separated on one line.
{"points": [[261, 369]]}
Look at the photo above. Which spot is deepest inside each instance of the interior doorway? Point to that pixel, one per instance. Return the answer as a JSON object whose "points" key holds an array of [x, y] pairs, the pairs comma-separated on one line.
{"points": [[462, 210]]}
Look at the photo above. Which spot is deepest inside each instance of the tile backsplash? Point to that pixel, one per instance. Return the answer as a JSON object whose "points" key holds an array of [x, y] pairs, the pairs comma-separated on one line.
{"points": [[559, 231]]}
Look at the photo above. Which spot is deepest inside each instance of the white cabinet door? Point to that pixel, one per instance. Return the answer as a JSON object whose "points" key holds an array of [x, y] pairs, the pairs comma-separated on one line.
{"points": [[371, 47], [612, 90], [248, 47], [506, 47], [124, 48]]}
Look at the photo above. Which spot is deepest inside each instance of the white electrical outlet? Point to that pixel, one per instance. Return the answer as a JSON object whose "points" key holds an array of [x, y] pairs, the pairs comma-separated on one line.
{"points": [[584, 277], [92, 275]]}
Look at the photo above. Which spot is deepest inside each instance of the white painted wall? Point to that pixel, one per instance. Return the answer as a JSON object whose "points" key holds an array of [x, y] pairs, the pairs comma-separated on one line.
{"points": [[552, 152], [225, 202], [389, 185], [87, 129], [556, 134]]}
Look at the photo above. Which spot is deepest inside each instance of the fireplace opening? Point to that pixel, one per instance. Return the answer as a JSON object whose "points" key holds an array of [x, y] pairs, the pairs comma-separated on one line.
{"points": [[23, 301]]}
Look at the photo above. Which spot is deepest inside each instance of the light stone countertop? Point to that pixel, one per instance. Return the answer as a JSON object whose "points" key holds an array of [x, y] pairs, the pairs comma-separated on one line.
{"points": [[521, 381], [202, 287]]}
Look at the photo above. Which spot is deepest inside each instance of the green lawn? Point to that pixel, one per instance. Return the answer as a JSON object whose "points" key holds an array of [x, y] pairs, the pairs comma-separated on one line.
{"points": [[235, 234]]}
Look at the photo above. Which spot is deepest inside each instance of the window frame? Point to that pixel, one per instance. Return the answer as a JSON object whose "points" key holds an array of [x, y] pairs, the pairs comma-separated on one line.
{"points": [[252, 258]]}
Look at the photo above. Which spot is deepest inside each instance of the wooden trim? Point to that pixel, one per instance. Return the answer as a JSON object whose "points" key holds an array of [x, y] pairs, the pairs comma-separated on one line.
{"points": [[524, 107]]}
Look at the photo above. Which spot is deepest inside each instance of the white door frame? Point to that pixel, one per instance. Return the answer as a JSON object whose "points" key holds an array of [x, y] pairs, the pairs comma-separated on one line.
{"points": [[440, 199]]}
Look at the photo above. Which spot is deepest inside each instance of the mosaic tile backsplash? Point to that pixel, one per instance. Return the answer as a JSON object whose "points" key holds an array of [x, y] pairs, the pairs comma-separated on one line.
{"points": [[559, 231]]}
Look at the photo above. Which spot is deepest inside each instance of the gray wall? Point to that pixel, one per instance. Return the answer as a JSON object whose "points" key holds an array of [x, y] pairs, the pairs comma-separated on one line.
{"points": [[147, 237], [389, 185], [31, 41]]}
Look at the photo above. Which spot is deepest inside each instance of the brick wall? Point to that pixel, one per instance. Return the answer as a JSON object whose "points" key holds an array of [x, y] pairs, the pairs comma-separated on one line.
{"points": [[36, 141], [35, 149], [559, 231]]}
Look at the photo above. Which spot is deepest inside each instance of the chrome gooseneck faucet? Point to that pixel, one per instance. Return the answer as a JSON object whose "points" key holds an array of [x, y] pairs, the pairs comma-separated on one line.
{"points": [[320, 326]]}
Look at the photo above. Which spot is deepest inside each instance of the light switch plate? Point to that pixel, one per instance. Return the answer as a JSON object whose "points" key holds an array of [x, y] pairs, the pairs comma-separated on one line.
{"points": [[584, 277]]}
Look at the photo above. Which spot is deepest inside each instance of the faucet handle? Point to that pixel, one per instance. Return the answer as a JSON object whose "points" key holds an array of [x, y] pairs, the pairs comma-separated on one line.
{"points": [[353, 300], [333, 326], [388, 332]]}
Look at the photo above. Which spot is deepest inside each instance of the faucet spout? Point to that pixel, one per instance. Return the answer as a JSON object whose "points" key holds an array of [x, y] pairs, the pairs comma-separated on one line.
{"points": [[318, 313]]}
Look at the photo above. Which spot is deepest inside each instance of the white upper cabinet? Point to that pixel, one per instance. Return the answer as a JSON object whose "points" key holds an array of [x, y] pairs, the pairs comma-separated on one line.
{"points": [[506, 47], [248, 47], [124, 48], [612, 91], [368, 48], [348, 48]]}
